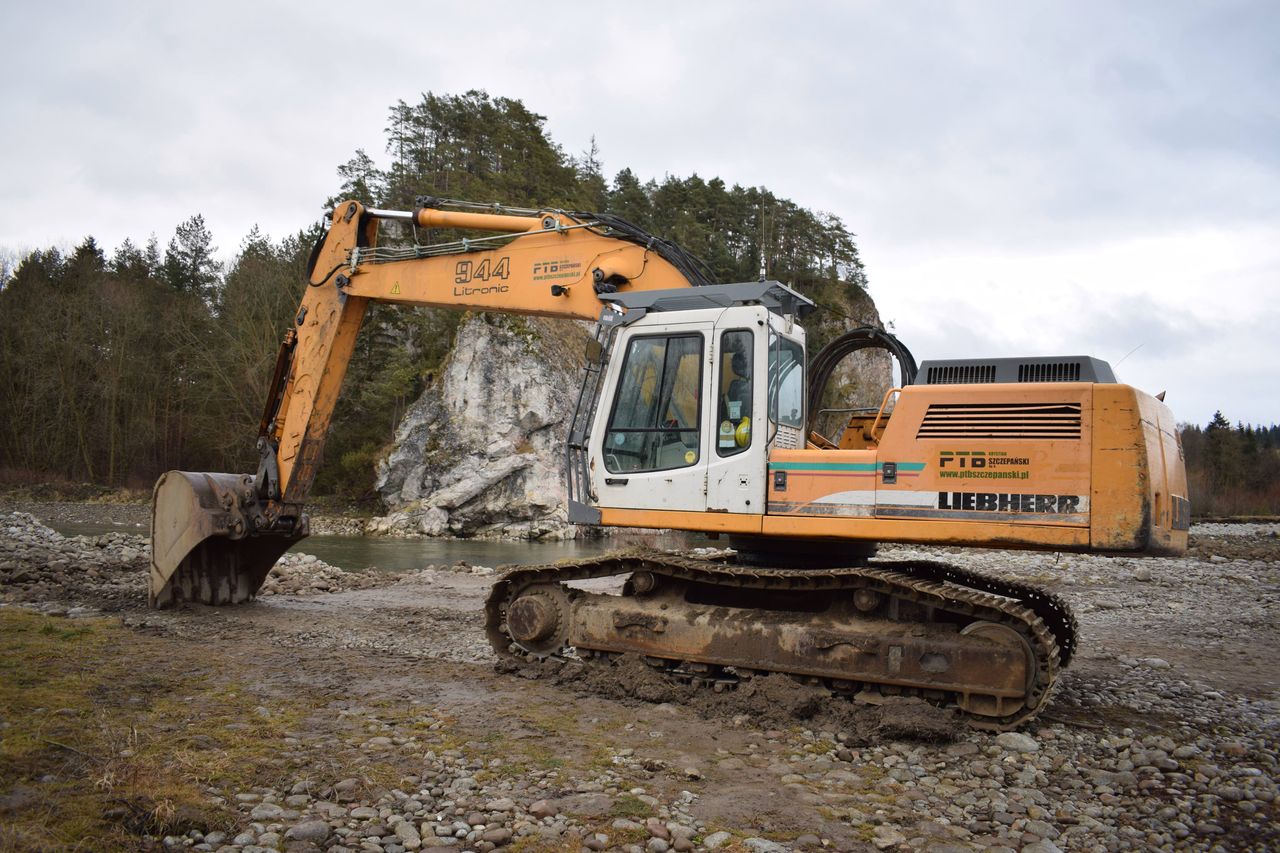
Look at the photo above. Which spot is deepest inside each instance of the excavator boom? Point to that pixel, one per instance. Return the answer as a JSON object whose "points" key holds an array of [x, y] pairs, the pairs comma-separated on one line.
{"points": [[215, 536]]}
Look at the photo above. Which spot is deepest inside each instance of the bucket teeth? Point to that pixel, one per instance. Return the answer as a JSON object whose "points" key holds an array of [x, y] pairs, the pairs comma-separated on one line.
{"points": [[205, 545]]}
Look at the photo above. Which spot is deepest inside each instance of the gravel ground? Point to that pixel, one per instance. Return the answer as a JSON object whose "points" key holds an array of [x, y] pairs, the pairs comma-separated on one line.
{"points": [[1162, 735]]}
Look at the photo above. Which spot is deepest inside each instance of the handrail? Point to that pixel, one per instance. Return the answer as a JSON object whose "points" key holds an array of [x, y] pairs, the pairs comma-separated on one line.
{"points": [[871, 434]]}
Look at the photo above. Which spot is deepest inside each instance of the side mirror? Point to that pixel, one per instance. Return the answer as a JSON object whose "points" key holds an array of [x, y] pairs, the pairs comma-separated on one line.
{"points": [[594, 350]]}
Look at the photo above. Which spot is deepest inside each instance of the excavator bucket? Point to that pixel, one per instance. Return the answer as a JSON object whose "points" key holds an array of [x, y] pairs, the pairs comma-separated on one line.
{"points": [[205, 546]]}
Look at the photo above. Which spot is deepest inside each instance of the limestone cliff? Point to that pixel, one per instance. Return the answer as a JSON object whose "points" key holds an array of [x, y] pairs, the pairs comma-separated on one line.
{"points": [[481, 452]]}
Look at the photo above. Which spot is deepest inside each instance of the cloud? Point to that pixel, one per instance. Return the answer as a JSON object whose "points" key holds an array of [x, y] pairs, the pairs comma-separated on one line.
{"points": [[1081, 175], [1189, 311]]}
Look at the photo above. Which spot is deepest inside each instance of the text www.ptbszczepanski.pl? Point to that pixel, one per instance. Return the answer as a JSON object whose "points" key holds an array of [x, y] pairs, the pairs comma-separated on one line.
{"points": [[971, 474]]}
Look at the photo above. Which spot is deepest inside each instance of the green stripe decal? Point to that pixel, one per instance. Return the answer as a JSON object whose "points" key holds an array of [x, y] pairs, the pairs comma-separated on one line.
{"points": [[841, 466]]}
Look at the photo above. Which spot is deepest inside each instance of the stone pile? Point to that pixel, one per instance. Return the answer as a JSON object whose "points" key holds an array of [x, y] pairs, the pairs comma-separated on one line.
{"points": [[458, 567], [38, 564], [305, 574], [337, 525], [109, 572]]}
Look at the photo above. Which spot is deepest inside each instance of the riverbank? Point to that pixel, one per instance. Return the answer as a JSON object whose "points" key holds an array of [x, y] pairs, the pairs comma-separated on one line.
{"points": [[373, 718], [354, 551], [131, 512]]}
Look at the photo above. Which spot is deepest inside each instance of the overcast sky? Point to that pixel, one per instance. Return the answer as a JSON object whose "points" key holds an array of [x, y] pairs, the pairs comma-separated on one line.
{"points": [[1024, 178]]}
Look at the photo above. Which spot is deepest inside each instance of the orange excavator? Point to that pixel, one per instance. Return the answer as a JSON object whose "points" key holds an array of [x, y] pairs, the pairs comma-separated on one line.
{"points": [[697, 412]]}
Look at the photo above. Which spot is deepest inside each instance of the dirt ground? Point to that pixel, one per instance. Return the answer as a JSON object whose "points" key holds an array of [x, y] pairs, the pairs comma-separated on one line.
{"points": [[1174, 689]]}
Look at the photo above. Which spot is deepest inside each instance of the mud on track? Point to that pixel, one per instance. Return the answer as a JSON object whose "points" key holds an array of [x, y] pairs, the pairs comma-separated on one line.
{"points": [[768, 701]]}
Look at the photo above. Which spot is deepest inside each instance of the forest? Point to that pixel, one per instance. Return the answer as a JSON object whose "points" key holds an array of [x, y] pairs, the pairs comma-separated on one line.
{"points": [[116, 367], [1232, 471]]}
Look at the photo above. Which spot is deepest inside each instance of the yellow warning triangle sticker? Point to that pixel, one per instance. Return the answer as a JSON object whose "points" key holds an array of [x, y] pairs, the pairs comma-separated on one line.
{"points": [[395, 288]]}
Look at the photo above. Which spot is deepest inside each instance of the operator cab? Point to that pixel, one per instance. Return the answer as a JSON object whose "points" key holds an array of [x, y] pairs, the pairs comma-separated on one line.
{"points": [[694, 398]]}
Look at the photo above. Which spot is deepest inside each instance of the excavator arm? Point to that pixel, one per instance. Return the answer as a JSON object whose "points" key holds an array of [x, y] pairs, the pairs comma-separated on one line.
{"points": [[216, 536]]}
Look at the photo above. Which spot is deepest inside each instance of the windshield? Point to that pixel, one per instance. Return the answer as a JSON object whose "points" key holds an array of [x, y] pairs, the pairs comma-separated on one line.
{"points": [[656, 418], [786, 381]]}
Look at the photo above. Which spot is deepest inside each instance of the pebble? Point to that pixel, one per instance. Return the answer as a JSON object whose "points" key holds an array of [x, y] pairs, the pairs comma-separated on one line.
{"points": [[884, 837], [311, 830], [406, 831], [498, 836], [266, 811], [542, 809], [1042, 847], [764, 845], [1018, 742], [716, 840]]}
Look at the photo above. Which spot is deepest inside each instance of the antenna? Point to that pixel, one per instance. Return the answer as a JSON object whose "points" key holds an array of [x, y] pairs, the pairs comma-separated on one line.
{"points": [[764, 266], [1129, 353]]}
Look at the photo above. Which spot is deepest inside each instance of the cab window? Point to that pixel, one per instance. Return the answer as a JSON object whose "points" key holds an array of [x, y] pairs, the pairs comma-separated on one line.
{"points": [[786, 381], [734, 416], [655, 423]]}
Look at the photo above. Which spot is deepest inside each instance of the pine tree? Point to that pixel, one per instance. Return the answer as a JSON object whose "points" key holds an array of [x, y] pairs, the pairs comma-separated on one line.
{"points": [[361, 180], [189, 263], [593, 191], [629, 199]]}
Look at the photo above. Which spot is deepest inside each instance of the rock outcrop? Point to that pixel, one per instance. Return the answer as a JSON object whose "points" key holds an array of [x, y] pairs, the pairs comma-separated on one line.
{"points": [[481, 452]]}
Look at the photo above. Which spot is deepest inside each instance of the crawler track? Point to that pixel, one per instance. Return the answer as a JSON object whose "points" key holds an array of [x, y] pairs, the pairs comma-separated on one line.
{"points": [[1043, 621]]}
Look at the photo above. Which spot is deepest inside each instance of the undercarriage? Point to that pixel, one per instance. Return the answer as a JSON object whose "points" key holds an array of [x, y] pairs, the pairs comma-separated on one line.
{"points": [[987, 647]]}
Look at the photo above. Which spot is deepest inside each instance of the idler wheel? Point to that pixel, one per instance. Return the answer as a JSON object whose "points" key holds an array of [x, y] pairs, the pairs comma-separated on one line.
{"points": [[1008, 637], [531, 618], [538, 619]]}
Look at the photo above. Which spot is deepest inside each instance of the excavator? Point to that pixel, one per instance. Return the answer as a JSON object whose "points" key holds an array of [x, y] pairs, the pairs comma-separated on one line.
{"points": [[698, 412]]}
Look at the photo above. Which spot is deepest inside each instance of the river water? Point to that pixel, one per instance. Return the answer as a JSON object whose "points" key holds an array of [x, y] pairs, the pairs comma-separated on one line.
{"points": [[390, 554]]}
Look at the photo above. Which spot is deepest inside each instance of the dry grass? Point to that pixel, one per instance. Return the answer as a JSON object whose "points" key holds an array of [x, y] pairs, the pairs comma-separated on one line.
{"points": [[630, 806], [106, 738]]}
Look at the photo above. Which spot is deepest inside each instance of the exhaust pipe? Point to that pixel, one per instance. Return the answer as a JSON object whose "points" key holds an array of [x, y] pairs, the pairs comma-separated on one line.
{"points": [[211, 540]]}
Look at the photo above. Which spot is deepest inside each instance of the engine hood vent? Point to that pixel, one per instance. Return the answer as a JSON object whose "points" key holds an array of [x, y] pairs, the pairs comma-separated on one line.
{"points": [[968, 371], [1001, 420]]}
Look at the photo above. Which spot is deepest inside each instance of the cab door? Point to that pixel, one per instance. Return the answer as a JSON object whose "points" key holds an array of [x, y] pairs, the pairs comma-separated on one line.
{"points": [[649, 445], [736, 472]]}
